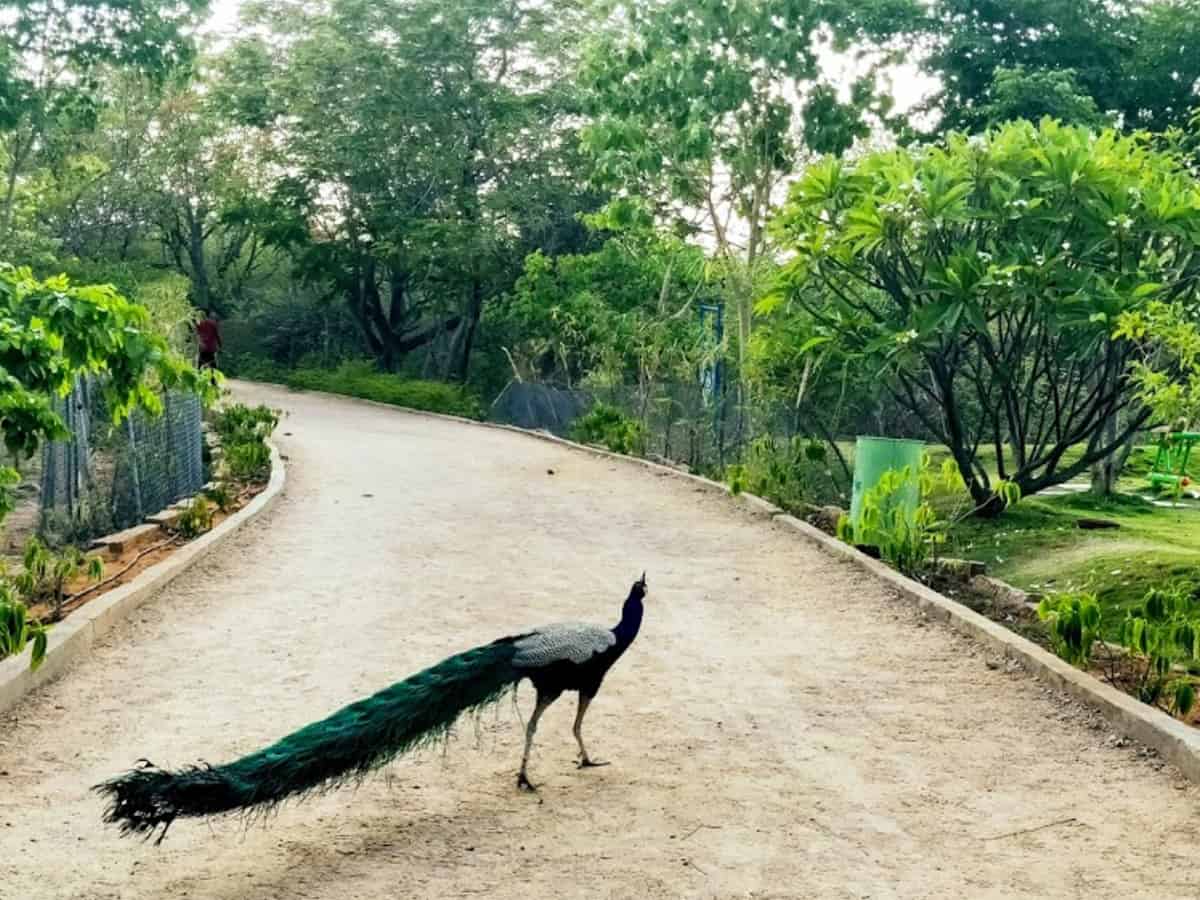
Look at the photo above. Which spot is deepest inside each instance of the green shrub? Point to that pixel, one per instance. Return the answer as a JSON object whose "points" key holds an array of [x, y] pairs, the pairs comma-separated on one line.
{"points": [[790, 473], [251, 367], [1074, 625], [249, 461], [1158, 636], [1162, 632], [363, 380], [17, 630], [243, 431], [905, 540], [221, 497], [197, 518], [45, 573], [241, 424], [609, 427]]}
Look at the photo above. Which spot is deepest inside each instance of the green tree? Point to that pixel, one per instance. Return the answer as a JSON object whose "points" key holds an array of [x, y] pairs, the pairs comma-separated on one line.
{"points": [[705, 108], [578, 315], [411, 200], [1132, 64], [53, 332], [1166, 373], [985, 277], [1021, 93], [52, 56], [195, 175]]}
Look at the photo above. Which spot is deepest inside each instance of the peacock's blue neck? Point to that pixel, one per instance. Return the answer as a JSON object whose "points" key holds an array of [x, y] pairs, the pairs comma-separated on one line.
{"points": [[631, 620]]}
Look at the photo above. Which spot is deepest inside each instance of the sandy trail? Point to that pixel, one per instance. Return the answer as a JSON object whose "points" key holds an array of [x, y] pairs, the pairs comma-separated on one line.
{"points": [[782, 727]]}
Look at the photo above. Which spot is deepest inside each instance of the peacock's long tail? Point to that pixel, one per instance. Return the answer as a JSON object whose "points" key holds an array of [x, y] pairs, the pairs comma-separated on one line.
{"points": [[344, 747]]}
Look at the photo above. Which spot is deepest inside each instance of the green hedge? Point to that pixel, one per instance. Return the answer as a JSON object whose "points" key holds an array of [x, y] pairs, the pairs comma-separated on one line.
{"points": [[363, 380]]}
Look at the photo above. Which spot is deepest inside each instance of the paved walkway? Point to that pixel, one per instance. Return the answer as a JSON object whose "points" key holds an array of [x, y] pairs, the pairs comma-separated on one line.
{"points": [[782, 727]]}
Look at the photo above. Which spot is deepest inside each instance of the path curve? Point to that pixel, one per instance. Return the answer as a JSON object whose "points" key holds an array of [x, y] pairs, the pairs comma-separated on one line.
{"points": [[782, 728]]}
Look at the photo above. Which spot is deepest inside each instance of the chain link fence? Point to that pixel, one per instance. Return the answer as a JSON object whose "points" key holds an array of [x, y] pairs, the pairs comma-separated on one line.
{"points": [[707, 426], [681, 422], [110, 476]]}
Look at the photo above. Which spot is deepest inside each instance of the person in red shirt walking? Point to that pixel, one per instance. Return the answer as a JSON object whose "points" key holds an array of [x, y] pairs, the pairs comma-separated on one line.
{"points": [[208, 336]]}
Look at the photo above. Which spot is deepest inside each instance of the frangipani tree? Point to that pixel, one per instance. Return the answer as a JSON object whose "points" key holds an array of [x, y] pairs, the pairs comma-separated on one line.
{"points": [[984, 279]]}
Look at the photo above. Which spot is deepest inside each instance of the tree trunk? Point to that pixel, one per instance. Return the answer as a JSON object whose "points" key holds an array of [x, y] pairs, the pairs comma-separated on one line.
{"points": [[1106, 472], [470, 325], [16, 161], [201, 292], [465, 340], [389, 342]]}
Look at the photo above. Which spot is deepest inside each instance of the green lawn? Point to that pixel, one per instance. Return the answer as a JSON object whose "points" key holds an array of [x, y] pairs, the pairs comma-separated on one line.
{"points": [[1037, 546], [1133, 478]]}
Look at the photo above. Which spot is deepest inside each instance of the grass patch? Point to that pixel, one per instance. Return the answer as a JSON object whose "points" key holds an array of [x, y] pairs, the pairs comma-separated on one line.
{"points": [[1037, 546], [363, 380]]}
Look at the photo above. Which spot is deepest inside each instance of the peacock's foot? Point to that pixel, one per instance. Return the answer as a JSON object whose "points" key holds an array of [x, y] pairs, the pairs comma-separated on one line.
{"points": [[586, 763], [524, 784]]}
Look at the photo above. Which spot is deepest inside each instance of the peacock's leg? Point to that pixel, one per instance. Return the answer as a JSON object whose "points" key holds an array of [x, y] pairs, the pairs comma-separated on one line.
{"points": [[584, 761], [543, 701]]}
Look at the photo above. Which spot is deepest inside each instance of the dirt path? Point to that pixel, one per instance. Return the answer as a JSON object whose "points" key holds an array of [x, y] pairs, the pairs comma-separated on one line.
{"points": [[782, 728]]}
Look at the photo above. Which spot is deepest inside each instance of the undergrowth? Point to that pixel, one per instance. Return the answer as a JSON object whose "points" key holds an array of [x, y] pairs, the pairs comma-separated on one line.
{"points": [[363, 380], [790, 473], [608, 426], [243, 431]]}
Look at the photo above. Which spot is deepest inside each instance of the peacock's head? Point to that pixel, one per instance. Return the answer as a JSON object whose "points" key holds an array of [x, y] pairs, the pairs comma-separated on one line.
{"points": [[638, 591]]}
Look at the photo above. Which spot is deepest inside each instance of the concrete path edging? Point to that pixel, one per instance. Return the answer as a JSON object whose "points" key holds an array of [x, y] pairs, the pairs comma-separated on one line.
{"points": [[71, 640], [1175, 742]]}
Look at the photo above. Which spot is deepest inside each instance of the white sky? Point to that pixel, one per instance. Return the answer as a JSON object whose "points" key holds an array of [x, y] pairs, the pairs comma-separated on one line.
{"points": [[223, 16], [909, 84]]}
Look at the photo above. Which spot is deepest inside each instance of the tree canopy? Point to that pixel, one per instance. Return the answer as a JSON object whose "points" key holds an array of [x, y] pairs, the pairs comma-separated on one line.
{"points": [[1131, 64], [985, 279]]}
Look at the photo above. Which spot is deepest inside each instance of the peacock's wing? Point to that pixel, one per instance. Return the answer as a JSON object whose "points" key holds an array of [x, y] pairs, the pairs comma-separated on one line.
{"points": [[571, 641]]}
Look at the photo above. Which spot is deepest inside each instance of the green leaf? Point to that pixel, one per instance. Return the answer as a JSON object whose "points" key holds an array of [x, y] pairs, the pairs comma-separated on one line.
{"points": [[1185, 697], [812, 343], [40, 643]]}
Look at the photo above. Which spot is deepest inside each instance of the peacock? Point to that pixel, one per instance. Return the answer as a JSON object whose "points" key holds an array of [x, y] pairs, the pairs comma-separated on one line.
{"points": [[367, 734]]}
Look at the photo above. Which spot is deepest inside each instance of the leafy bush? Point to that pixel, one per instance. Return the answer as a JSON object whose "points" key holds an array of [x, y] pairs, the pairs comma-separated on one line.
{"points": [[906, 540], [790, 473], [253, 368], [1074, 624], [220, 496], [363, 380], [250, 461], [608, 426], [1157, 637], [196, 519], [17, 629], [243, 431], [45, 573], [238, 424], [1160, 634], [53, 331], [163, 294]]}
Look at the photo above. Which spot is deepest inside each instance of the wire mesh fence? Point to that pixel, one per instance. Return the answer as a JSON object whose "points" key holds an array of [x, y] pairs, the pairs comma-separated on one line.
{"points": [[804, 450], [686, 423], [108, 475]]}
